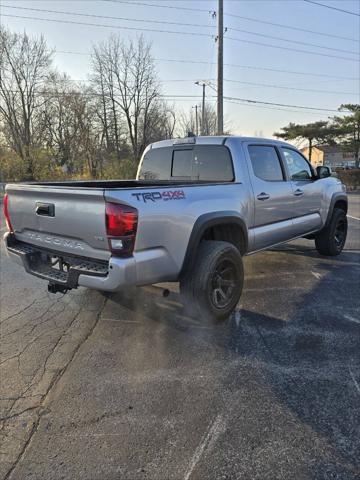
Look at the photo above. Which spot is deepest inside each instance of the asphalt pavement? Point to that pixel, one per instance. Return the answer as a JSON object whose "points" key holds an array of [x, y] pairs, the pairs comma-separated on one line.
{"points": [[126, 386]]}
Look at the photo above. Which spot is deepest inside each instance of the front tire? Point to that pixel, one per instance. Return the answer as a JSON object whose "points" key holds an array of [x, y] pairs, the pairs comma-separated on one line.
{"points": [[212, 288], [331, 240]]}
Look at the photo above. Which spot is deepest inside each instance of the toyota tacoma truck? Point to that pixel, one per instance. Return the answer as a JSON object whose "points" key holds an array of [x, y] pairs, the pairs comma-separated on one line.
{"points": [[197, 206]]}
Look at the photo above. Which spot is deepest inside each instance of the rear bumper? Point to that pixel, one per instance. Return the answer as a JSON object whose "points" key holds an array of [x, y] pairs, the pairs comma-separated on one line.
{"points": [[150, 266], [99, 275]]}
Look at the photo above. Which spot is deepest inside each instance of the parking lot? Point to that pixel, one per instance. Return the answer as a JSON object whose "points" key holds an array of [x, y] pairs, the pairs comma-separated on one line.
{"points": [[126, 386]]}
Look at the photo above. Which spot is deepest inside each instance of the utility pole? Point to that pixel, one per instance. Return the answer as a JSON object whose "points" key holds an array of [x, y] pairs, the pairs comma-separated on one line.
{"points": [[220, 79], [196, 120], [203, 85]]}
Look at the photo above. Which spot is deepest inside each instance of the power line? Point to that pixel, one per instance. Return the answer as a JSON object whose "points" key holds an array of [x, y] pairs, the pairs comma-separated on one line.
{"points": [[267, 85], [160, 6], [332, 8], [62, 12], [213, 100], [292, 49], [251, 84], [57, 20], [281, 104], [178, 33], [271, 108], [280, 25], [291, 72], [246, 100], [250, 67], [264, 107], [171, 80], [180, 96], [235, 16], [292, 41]]}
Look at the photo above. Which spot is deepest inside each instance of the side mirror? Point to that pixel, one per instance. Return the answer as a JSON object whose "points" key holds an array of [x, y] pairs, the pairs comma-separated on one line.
{"points": [[323, 172]]}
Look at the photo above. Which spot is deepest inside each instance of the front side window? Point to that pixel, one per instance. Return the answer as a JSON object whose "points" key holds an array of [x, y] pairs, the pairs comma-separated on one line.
{"points": [[265, 163], [298, 167]]}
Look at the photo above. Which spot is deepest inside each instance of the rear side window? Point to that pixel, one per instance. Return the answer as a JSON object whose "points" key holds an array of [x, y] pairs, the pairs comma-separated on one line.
{"points": [[156, 165], [211, 163], [266, 163]]}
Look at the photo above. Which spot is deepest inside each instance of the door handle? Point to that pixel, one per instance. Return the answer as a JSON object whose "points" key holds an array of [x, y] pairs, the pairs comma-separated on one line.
{"points": [[298, 192], [45, 209], [263, 196]]}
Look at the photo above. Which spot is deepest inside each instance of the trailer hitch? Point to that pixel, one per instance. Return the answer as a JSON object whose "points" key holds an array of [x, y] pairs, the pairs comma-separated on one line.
{"points": [[55, 287]]}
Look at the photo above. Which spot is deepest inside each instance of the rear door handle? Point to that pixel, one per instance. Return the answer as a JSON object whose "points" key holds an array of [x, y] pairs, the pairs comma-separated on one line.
{"points": [[263, 196], [298, 192]]}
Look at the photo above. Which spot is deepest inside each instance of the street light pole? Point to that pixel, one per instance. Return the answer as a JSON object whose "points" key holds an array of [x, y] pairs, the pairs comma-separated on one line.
{"points": [[203, 85], [196, 120]]}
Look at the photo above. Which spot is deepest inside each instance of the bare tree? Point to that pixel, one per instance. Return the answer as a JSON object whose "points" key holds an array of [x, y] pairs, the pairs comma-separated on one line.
{"points": [[187, 121], [24, 66], [74, 132], [129, 82], [61, 121], [161, 122], [210, 122], [108, 112]]}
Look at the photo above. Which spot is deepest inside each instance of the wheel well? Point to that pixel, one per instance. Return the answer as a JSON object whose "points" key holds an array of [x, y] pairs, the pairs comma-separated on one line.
{"points": [[227, 232], [342, 205]]}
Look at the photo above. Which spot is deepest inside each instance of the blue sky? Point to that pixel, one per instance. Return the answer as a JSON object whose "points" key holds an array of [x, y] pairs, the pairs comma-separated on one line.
{"points": [[338, 57]]}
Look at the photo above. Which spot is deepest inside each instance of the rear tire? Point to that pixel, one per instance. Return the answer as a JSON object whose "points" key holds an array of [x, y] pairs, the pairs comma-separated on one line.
{"points": [[331, 240], [212, 288]]}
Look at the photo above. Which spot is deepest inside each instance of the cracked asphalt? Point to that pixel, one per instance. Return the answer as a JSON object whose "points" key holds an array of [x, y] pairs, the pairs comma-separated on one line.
{"points": [[127, 387]]}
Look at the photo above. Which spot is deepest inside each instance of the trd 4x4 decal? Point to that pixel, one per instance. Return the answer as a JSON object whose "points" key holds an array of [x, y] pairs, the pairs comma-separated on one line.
{"points": [[155, 196]]}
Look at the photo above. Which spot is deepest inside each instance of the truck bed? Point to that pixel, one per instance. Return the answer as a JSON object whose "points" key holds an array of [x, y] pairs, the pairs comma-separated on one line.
{"points": [[69, 217]]}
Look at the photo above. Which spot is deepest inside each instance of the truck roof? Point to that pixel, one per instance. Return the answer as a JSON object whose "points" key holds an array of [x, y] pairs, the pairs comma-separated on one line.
{"points": [[213, 140]]}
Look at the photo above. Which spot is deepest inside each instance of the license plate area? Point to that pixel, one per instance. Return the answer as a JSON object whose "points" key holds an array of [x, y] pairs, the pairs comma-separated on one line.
{"points": [[51, 266], [60, 269]]}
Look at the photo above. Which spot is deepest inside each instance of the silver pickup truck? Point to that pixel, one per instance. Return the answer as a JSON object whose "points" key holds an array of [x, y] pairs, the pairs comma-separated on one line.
{"points": [[197, 206]]}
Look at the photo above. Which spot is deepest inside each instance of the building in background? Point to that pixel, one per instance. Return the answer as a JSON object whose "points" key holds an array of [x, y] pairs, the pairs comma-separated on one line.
{"points": [[330, 155]]}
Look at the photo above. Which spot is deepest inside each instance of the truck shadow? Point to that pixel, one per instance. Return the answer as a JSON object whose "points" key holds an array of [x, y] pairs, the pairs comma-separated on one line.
{"points": [[346, 256], [311, 361]]}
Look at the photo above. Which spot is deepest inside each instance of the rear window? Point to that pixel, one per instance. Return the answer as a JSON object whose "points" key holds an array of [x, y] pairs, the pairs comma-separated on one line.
{"points": [[210, 163], [182, 163]]}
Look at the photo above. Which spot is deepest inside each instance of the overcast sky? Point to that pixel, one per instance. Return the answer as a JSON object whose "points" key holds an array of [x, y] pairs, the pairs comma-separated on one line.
{"points": [[327, 56]]}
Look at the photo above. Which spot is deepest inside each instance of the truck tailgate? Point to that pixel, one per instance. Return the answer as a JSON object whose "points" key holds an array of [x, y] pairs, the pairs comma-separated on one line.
{"points": [[62, 219]]}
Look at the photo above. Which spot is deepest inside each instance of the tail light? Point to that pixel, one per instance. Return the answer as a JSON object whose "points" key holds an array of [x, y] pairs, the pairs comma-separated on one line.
{"points": [[121, 226], [6, 212]]}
